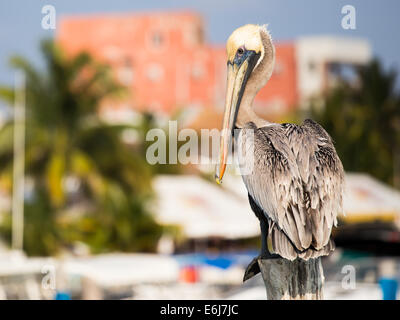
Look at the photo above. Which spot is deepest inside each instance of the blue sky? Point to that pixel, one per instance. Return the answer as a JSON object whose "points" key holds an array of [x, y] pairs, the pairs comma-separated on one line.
{"points": [[377, 21]]}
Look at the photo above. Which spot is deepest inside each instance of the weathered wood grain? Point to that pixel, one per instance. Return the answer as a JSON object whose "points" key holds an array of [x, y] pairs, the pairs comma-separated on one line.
{"points": [[292, 280]]}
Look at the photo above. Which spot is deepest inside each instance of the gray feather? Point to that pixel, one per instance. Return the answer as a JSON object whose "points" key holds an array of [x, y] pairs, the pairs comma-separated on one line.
{"points": [[298, 182]]}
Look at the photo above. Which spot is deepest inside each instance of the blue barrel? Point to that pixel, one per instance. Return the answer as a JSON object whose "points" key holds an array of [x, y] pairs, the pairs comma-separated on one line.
{"points": [[61, 295], [389, 288]]}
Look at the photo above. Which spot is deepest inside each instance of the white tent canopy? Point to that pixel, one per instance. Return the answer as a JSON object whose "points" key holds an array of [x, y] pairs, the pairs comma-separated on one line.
{"points": [[204, 209], [119, 269], [368, 199]]}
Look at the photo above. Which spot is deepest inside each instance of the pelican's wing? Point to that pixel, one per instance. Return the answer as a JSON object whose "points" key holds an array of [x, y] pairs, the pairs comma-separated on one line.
{"points": [[297, 180], [324, 179]]}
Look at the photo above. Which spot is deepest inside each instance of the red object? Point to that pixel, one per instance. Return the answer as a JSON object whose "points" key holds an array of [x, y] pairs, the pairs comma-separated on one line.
{"points": [[189, 274]]}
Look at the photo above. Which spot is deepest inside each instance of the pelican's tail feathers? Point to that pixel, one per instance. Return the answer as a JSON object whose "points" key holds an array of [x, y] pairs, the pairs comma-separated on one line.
{"points": [[279, 243]]}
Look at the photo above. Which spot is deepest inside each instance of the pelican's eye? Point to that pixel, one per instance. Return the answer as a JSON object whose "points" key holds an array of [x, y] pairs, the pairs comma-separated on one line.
{"points": [[240, 51], [240, 56]]}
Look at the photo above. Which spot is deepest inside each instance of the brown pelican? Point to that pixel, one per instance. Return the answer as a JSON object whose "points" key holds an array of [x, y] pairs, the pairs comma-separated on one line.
{"points": [[296, 185]]}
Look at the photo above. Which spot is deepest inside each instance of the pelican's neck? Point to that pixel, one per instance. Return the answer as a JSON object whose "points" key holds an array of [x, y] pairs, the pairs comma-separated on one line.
{"points": [[257, 80], [246, 113]]}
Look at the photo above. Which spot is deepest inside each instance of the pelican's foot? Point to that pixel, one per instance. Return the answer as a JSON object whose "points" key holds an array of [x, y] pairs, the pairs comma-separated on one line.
{"points": [[252, 269]]}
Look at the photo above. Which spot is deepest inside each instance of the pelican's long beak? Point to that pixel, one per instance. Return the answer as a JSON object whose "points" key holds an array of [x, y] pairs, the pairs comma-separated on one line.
{"points": [[238, 73]]}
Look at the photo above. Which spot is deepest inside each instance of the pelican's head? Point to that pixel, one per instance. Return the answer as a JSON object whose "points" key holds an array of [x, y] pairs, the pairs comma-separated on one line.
{"points": [[250, 62], [244, 39]]}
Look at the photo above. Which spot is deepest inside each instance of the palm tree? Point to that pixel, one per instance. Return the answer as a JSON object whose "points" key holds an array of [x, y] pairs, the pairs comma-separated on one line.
{"points": [[88, 185], [364, 121]]}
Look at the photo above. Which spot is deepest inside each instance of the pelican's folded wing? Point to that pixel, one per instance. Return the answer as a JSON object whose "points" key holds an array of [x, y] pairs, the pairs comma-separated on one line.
{"points": [[296, 178]]}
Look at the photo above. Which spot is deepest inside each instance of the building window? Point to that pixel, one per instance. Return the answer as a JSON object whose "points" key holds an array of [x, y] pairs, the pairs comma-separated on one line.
{"points": [[157, 39], [279, 68], [199, 35], [312, 66], [125, 72], [154, 72], [193, 35], [197, 72]]}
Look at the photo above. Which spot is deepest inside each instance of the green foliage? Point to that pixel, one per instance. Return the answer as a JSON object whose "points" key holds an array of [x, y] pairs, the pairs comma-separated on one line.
{"points": [[88, 186], [364, 121]]}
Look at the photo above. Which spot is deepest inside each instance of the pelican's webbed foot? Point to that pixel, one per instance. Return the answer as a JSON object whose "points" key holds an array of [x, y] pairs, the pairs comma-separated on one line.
{"points": [[252, 269]]}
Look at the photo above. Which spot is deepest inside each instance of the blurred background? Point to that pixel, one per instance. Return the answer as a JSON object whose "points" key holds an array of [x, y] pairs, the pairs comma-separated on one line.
{"points": [[83, 215]]}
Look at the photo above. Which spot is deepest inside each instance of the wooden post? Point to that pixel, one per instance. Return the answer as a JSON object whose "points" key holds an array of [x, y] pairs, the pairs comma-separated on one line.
{"points": [[292, 280]]}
